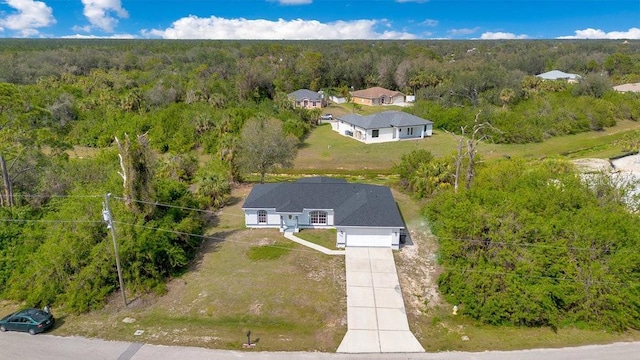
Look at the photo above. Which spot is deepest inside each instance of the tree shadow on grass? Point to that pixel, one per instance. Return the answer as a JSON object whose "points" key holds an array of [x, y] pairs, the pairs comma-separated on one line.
{"points": [[210, 243]]}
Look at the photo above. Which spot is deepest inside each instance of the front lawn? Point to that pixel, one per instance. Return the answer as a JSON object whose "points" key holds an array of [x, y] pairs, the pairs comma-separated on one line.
{"points": [[288, 296], [323, 237]]}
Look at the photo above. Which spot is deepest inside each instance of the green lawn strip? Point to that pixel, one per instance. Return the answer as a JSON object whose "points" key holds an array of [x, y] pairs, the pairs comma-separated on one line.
{"points": [[447, 332], [270, 252], [323, 237]]}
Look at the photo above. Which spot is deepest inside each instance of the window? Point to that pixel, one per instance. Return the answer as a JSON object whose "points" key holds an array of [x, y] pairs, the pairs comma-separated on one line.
{"points": [[262, 216], [410, 131], [375, 133], [318, 217]]}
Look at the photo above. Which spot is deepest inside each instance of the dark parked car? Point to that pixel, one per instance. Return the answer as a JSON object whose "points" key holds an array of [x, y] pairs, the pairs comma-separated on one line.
{"points": [[33, 321]]}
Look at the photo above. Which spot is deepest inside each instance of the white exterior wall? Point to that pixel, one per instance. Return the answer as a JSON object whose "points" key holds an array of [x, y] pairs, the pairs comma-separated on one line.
{"points": [[384, 135], [251, 219], [371, 237], [304, 220]]}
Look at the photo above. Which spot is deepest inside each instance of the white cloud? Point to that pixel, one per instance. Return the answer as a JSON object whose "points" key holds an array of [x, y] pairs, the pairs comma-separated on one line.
{"points": [[295, 2], [633, 33], [430, 23], [112, 36], [193, 27], [501, 36], [463, 31], [102, 13], [30, 15]]}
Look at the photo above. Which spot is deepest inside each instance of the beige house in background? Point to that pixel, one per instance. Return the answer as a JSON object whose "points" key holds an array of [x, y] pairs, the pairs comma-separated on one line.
{"points": [[377, 96]]}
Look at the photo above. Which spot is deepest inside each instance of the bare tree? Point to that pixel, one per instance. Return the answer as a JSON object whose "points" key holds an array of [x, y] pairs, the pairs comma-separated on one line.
{"points": [[477, 135], [136, 164]]}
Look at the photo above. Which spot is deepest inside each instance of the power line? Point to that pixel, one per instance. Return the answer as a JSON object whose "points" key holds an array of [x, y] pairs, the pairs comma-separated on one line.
{"points": [[57, 196], [532, 245], [53, 221], [207, 237], [523, 276], [164, 205]]}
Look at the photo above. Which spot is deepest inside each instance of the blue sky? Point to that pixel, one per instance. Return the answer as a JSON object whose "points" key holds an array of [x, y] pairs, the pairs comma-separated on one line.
{"points": [[321, 19]]}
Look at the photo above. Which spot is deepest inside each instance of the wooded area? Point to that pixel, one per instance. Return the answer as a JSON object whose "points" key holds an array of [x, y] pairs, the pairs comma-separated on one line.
{"points": [[178, 109]]}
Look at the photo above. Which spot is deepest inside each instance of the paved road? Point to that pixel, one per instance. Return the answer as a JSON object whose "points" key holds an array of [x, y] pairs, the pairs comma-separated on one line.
{"points": [[19, 346]]}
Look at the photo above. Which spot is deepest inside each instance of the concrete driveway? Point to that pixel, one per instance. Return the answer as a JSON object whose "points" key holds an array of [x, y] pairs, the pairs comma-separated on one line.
{"points": [[376, 316]]}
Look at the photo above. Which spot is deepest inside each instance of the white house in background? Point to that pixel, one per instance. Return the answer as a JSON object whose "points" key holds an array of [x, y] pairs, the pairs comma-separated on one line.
{"points": [[362, 214], [631, 87], [383, 127], [559, 75], [307, 99]]}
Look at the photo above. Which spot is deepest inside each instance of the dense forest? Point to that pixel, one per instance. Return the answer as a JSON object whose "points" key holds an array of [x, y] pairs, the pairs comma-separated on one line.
{"points": [[162, 122]]}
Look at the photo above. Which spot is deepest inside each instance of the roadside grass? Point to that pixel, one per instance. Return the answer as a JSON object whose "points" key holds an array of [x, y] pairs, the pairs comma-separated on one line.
{"points": [[323, 237], [288, 296], [443, 331], [326, 151]]}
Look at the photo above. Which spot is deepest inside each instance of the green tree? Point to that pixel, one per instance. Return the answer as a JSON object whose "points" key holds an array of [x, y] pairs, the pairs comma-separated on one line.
{"points": [[264, 145]]}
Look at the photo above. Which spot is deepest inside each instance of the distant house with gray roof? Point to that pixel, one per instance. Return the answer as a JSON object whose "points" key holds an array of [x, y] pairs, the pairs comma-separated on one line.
{"points": [[383, 127], [559, 75], [307, 99], [362, 214]]}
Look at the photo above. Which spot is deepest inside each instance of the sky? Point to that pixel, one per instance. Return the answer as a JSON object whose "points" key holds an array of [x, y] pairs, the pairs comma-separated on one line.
{"points": [[321, 19]]}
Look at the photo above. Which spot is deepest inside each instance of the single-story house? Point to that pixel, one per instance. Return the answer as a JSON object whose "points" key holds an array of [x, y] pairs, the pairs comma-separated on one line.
{"points": [[559, 75], [362, 214], [307, 99], [376, 96], [383, 127]]}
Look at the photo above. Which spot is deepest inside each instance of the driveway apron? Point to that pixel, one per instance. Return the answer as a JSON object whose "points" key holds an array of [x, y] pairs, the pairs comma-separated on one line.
{"points": [[376, 316]]}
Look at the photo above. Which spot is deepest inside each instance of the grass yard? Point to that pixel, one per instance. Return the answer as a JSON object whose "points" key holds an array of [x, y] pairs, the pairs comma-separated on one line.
{"points": [[326, 151], [322, 237], [288, 296]]}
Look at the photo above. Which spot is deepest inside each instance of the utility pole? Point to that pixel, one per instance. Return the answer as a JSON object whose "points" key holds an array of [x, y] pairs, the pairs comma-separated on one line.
{"points": [[106, 214]]}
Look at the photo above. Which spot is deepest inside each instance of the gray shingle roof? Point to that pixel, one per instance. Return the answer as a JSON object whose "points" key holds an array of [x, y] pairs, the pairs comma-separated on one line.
{"points": [[384, 119], [305, 94], [353, 204], [557, 75]]}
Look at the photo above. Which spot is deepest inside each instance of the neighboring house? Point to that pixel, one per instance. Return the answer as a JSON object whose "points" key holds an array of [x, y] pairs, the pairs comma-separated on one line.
{"points": [[559, 75], [363, 215], [633, 87], [307, 99], [383, 127], [377, 96]]}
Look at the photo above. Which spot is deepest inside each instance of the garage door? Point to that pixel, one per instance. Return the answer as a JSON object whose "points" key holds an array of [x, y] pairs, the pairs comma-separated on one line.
{"points": [[368, 237]]}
